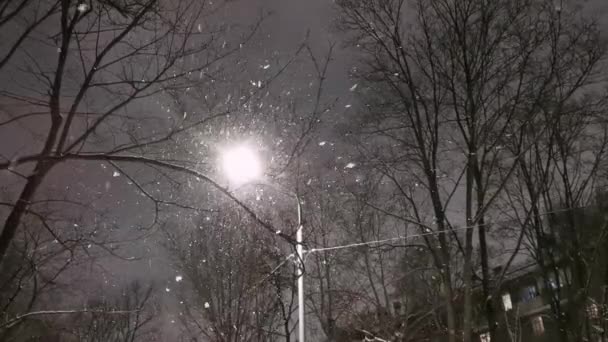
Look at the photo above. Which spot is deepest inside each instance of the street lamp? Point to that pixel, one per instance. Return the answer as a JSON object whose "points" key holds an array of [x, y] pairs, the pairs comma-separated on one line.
{"points": [[242, 165]]}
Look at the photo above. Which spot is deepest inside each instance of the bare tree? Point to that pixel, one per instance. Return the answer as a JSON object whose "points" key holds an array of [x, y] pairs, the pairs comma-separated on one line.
{"points": [[90, 71], [126, 317], [330, 295], [355, 286], [50, 245], [559, 173], [462, 77], [233, 286], [30, 14], [107, 60]]}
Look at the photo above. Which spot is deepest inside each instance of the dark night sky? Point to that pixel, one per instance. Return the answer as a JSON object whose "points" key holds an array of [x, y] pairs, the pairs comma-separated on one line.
{"points": [[282, 31]]}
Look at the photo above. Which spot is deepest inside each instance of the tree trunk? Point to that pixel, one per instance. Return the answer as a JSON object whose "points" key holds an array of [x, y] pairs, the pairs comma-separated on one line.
{"points": [[443, 258], [14, 218], [450, 313], [486, 282], [579, 293], [604, 307], [468, 267]]}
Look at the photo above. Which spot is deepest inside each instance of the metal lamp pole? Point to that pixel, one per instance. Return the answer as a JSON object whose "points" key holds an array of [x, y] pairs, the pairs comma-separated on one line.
{"points": [[300, 273], [243, 160], [300, 262]]}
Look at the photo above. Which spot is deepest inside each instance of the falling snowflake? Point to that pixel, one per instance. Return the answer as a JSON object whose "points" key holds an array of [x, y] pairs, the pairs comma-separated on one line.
{"points": [[178, 278], [353, 87], [207, 306], [167, 289], [347, 106], [350, 165], [266, 66], [322, 143], [116, 174]]}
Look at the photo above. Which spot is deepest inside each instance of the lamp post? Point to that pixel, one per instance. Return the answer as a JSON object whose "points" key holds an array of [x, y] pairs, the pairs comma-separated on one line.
{"points": [[241, 165], [300, 252]]}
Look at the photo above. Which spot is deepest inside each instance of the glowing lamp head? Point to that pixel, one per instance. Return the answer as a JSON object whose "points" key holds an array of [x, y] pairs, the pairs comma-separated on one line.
{"points": [[241, 164]]}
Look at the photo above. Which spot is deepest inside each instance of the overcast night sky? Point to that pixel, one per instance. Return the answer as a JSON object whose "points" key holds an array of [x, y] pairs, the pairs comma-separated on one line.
{"points": [[152, 152]]}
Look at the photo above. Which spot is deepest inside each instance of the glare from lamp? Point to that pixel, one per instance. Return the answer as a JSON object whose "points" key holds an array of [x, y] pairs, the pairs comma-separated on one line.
{"points": [[241, 164]]}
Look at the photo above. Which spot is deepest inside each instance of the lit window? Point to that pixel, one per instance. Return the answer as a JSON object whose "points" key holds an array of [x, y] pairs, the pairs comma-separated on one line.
{"points": [[485, 337], [564, 276], [506, 302], [538, 327], [528, 293], [593, 312], [553, 281]]}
